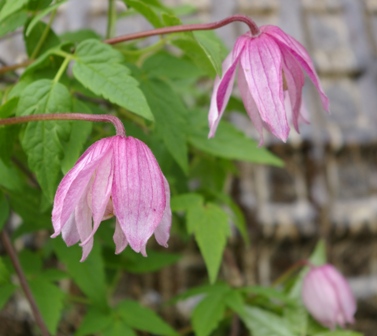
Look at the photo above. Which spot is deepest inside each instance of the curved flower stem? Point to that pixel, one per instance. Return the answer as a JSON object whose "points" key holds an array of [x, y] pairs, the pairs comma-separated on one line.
{"points": [[119, 128], [25, 286], [190, 27], [290, 271]]}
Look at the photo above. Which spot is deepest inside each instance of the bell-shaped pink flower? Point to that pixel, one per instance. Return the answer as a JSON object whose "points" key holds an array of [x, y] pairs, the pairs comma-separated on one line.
{"points": [[328, 297], [271, 71], [117, 176]]}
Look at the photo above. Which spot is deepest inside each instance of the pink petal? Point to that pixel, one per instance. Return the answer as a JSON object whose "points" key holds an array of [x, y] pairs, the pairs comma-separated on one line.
{"points": [[162, 232], [101, 191], [298, 51], [294, 78], [83, 216], [319, 298], [223, 88], [69, 231], [119, 239], [73, 184], [138, 191], [262, 65], [250, 106], [346, 300]]}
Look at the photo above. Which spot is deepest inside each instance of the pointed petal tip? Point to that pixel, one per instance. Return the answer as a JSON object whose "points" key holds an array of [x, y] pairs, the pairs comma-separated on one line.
{"points": [[55, 234]]}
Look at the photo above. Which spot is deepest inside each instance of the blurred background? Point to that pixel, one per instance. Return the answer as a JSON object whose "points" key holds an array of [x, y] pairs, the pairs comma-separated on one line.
{"points": [[328, 187]]}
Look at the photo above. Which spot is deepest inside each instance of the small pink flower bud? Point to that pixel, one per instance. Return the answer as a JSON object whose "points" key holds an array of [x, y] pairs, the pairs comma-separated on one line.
{"points": [[328, 297]]}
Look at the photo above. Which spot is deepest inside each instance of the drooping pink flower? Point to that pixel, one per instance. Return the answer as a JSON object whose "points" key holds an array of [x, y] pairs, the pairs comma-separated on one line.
{"points": [[270, 65], [328, 297], [116, 176]]}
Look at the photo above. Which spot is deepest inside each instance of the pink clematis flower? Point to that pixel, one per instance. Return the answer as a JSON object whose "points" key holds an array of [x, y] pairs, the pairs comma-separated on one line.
{"points": [[116, 176], [271, 71], [328, 297]]}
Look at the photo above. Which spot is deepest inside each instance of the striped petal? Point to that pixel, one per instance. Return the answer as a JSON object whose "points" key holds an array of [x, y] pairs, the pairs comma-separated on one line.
{"points": [[261, 63], [138, 191]]}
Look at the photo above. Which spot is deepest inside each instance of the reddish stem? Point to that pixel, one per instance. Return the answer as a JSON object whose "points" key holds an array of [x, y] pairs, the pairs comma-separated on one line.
{"points": [[25, 286], [190, 27], [119, 128]]}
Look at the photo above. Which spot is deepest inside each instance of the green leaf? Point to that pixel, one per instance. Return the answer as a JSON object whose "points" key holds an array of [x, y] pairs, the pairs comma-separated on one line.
{"points": [[171, 119], [41, 14], [184, 202], [142, 318], [49, 299], [211, 229], [35, 5], [78, 137], [6, 291], [89, 275], [118, 328], [208, 313], [31, 262], [263, 323], [34, 37], [98, 67], [9, 177], [136, 263], [12, 22], [42, 141], [145, 10], [228, 143], [4, 273], [4, 210], [10, 7], [165, 65], [79, 35], [297, 317], [94, 321], [213, 47]]}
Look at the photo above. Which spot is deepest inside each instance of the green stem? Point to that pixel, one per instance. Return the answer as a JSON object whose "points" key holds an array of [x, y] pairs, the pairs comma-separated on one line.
{"points": [[111, 19], [44, 35], [62, 69], [289, 272]]}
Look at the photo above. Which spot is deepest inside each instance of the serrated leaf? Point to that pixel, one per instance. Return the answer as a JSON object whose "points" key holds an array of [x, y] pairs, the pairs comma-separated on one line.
{"points": [[145, 10], [228, 143], [12, 22], [184, 202], [98, 67], [171, 119], [142, 318], [210, 226], [4, 210], [92, 269], [79, 135], [263, 323], [94, 321], [208, 313], [34, 37], [42, 141], [10, 7], [49, 299], [41, 14]]}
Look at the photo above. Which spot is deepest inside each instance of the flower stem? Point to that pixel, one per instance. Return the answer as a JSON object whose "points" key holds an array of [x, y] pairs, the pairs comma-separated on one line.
{"points": [[111, 19], [62, 69], [290, 271], [119, 128], [25, 286], [44, 35], [190, 27]]}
